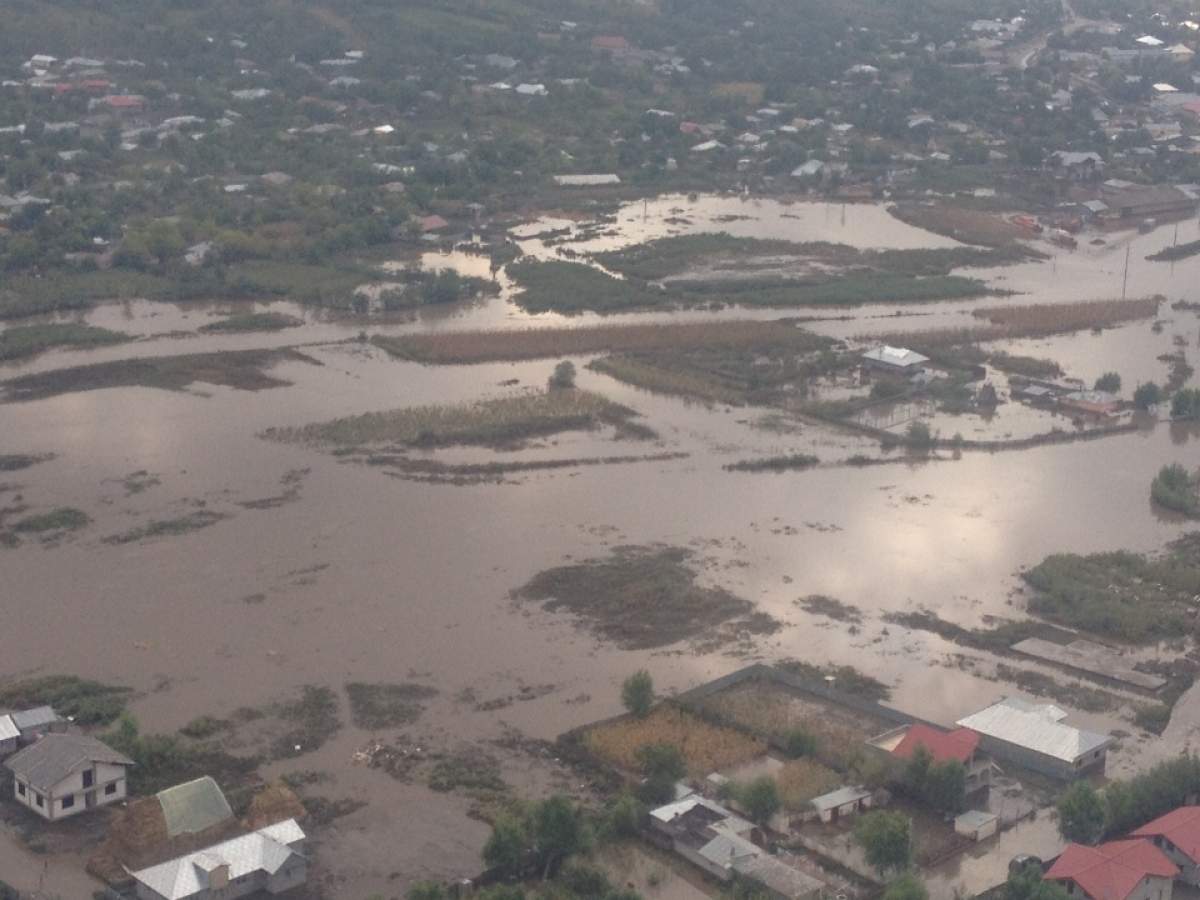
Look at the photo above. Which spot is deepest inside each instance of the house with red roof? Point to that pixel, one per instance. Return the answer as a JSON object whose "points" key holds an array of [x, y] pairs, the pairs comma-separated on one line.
{"points": [[1177, 834], [1118, 870], [960, 745]]}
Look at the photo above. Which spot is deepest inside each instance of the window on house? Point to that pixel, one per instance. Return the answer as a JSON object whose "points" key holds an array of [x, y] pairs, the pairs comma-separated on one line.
{"points": [[68, 801], [89, 777], [110, 789], [37, 798], [20, 789]]}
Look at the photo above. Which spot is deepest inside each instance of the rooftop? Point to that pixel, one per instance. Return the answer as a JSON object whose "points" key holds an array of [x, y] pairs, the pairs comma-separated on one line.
{"points": [[265, 850], [55, 756], [1111, 871], [1180, 826], [193, 806], [895, 356], [35, 718], [8, 729], [1035, 726], [840, 797], [943, 746]]}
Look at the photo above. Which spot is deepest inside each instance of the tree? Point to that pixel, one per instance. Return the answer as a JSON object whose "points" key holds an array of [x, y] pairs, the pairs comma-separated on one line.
{"points": [[1081, 814], [886, 838], [906, 887], [919, 435], [1109, 382], [563, 378], [558, 832], [1026, 883], [798, 743], [947, 786], [760, 798], [916, 773], [637, 693], [507, 847], [1186, 404], [624, 817], [1147, 395], [662, 766]]}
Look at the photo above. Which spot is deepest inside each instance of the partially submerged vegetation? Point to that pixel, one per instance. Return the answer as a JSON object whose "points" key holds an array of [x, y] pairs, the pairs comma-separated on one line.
{"points": [[1177, 489], [791, 462], [1035, 320], [541, 343], [86, 702], [1121, 595], [61, 519], [387, 705], [503, 421], [568, 287], [644, 597], [243, 369], [244, 322], [193, 521], [20, 342], [1176, 252]]}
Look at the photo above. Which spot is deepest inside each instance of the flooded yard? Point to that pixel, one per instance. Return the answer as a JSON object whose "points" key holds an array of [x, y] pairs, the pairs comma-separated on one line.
{"points": [[319, 568]]}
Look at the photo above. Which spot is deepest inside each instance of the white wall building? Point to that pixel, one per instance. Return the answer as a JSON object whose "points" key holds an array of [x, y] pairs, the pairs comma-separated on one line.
{"points": [[65, 774]]}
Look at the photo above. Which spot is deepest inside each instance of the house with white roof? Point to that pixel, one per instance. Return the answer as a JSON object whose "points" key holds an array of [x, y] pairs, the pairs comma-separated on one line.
{"points": [[269, 860], [894, 360], [1035, 736], [9, 734]]}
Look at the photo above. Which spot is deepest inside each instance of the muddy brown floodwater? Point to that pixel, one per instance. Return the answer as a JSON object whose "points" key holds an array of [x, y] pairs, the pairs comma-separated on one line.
{"points": [[351, 575]]}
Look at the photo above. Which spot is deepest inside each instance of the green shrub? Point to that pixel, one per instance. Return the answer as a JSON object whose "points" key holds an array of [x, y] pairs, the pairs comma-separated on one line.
{"points": [[798, 742], [1109, 382], [1147, 395], [1174, 488]]}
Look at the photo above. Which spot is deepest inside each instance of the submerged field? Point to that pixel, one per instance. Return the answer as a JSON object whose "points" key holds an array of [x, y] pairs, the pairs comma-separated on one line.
{"points": [[412, 642]]}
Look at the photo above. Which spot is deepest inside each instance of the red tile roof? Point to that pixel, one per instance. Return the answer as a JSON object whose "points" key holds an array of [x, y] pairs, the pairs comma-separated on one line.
{"points": [[1111, 871], [1180, 826], [943, 746]]}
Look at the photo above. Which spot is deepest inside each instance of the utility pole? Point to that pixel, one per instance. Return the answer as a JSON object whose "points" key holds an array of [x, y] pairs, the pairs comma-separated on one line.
{"points": [[1125, 279]]}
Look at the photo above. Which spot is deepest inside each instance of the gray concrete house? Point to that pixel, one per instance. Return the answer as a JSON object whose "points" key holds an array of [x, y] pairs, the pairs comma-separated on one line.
{"points": [[1034, 735], [65, 774], [270, 860]]}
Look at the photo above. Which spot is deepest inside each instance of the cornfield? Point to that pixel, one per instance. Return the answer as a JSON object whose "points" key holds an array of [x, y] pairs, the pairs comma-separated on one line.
{"points": [[706, 748], [802, 779], [542, 343]]}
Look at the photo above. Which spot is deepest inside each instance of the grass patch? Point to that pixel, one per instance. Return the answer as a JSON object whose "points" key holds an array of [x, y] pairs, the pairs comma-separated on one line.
{"points": [[1179, 251], [242, 369], [386, 705], [830, 608], [331, 286], [62, 519], [800, 780], [567, 287], [1153, 717], [543, 343], [1121, 595], [962, 224], [471, 771], [29, 340], [168, 527], [792, 462], [87, 702], [994, 640], [486, 423], [644, 597], [705, 747], [262, 321], [203, 727], [1027, 366]]}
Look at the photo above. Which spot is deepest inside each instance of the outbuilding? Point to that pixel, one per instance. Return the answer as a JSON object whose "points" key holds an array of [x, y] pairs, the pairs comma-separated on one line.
{"points": [[1035, 736], [845, 801]]}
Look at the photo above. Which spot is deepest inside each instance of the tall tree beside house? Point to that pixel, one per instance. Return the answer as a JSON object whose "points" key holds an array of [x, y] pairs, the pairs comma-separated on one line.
{"points": [[558, 831], [946, 789], [637, 693], [760, 798], [886, 838], [1081, 814], [662, 766]]}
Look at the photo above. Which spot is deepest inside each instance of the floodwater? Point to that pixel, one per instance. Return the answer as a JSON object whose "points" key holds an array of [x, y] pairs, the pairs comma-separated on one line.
{"points": [[366, 577]]}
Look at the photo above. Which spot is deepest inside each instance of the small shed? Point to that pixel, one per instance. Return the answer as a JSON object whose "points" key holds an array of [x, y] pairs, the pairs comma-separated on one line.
{"points": [[896, 360], [845, 801], [976, 824]]}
